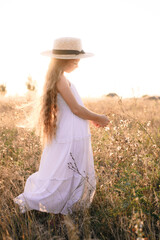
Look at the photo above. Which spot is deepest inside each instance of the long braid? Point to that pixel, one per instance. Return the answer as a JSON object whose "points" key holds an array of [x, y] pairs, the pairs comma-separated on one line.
{"points": [[54, 112], [48, 113]]}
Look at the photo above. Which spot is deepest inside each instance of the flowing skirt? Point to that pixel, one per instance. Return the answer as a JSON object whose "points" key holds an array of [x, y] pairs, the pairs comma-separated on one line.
{"points": [[65, 180]]}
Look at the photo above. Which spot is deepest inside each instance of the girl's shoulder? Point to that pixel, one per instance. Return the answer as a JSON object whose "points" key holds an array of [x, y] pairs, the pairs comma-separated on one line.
{"points": [[64, 79]]}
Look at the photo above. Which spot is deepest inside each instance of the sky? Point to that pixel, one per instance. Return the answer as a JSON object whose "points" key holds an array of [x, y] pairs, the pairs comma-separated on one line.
{"points": [[124, 36]]}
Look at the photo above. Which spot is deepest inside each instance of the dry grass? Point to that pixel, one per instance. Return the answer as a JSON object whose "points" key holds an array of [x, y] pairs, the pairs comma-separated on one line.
{"points": [[127, 200]]}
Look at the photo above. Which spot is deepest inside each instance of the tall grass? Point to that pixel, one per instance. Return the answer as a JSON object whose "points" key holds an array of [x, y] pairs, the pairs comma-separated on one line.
{"points": [[127, 153]]}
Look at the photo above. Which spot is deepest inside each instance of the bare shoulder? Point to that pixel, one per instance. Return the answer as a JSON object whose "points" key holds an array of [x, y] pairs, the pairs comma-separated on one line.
{"points": [[62, 83], [64, 89]]}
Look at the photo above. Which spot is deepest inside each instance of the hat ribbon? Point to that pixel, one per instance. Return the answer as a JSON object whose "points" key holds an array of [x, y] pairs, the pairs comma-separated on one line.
{"points": [[66, 52]]}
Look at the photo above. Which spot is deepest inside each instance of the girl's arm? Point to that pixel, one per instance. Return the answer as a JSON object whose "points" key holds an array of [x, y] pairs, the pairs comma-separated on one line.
{"points": [[82, 112]]}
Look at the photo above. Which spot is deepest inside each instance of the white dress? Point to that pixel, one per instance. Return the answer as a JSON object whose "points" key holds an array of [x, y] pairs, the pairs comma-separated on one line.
{"points": [[66, 178]]}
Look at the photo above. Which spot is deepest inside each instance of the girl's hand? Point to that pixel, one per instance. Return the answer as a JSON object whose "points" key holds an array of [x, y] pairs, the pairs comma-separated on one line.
{"points": [[102, 122], [95, 124]]}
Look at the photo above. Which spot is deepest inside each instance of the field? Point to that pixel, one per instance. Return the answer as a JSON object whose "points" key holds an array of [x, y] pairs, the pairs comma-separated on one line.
{"points": [[126, 205]]}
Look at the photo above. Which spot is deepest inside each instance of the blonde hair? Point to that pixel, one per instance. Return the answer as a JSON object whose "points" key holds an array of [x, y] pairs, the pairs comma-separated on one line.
{"points": [[48, 109]]}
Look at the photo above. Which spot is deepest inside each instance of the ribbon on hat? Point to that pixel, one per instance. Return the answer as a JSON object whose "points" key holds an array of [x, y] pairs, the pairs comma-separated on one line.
{"points": [[67, 52]]}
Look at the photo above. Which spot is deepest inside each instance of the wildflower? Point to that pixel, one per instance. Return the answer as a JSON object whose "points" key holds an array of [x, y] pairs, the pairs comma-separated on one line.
{"points": [[149, 123], [118, 148], [107, 129]]}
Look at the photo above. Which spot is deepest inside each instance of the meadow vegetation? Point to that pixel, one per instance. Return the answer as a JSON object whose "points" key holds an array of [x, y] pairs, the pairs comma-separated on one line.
{"points": [[126, 205]]}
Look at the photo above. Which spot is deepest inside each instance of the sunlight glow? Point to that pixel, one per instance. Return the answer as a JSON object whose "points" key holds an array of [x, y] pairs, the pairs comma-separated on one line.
{"points": [[124, 35]]}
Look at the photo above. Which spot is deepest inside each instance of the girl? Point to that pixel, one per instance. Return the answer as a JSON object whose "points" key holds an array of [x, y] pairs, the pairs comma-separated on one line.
{"points": [[65, 180]]}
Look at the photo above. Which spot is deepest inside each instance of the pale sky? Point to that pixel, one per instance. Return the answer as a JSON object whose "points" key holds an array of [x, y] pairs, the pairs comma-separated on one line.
{"points": [[124, 35]]}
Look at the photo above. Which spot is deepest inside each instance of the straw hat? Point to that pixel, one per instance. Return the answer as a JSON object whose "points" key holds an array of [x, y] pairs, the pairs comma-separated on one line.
{"points": [[67, 48]]}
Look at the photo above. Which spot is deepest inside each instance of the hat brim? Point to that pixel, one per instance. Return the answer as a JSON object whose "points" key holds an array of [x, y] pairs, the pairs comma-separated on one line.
{"points": [[71, 56]]}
